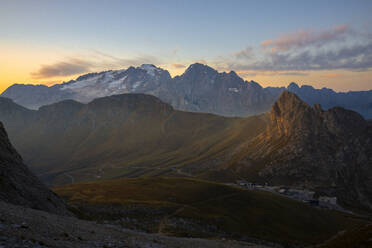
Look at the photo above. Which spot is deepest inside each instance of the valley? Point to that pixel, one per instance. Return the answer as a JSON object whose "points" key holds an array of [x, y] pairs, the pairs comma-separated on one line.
{"points": [[133, 162]]}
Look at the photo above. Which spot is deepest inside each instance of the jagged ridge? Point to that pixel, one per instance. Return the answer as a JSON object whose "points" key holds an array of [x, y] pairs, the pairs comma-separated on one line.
{"points": [[327, 151], [199, 89]]}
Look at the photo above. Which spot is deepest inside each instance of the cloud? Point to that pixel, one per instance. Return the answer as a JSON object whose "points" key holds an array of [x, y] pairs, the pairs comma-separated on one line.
{"points": [[293, 73], [357, 58], [110, 61], [305, 38], [332, 75], [97, 61], [247, 53], [353, 57], [246, 74], [178, 66], [339, 47], [66, 68]]}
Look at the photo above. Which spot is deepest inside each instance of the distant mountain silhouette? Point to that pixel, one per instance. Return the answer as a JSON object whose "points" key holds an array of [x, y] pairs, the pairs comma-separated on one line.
{"points": [[199, 89]]}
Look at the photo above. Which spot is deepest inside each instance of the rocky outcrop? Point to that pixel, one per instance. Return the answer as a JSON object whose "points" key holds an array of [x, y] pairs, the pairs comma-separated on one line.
{"points": [[19, 186], [329, 151]]}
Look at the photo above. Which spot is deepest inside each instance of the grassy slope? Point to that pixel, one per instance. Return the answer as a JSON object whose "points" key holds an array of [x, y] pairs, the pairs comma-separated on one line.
{"points": [[127, 135], [254, 214], [150, 147]]}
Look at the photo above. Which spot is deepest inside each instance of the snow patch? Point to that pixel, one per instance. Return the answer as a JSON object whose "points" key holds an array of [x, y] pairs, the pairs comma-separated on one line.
{"points": [[136, 84], [150, 69], [234, 90], [117, 83], [82, 83]]}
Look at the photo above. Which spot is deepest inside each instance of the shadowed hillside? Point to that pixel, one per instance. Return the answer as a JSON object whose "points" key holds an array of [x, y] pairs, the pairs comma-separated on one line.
{"points": [[135, 135], [19, 186], [188, 207], [127, 135]]}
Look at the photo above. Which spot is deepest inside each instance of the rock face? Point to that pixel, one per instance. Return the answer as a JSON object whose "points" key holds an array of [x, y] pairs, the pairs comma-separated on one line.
{"points": [[199, 89], [327, 151], [19, 186], [203, 89]]}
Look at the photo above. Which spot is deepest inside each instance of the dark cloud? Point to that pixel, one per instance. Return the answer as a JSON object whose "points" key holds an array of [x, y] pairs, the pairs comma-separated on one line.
{"points": [[97, 61], [67, 68]]}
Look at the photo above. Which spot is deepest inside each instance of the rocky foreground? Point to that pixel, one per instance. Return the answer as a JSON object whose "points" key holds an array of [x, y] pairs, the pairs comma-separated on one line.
{"points": [[25, 227]]}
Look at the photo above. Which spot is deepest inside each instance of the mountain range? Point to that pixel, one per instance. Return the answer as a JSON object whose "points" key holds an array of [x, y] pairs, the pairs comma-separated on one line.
{"points": [[121, 135], [199, 89], [31, 215], [136, 135]]}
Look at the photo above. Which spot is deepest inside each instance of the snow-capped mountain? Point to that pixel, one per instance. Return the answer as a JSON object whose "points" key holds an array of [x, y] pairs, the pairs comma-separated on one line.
{"points": [[143, 79], [200, 89]]}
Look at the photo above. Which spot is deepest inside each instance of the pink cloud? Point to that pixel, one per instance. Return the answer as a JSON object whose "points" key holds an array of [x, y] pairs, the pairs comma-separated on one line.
{"points": [[304, 38], [179, 66], [332, 75]]}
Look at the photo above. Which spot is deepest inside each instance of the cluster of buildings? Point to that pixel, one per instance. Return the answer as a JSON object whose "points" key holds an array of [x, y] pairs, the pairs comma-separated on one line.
{"points": [[302, 195]]}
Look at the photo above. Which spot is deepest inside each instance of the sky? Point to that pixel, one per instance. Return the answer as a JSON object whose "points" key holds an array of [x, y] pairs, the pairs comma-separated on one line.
{"points": [[321, 43]]}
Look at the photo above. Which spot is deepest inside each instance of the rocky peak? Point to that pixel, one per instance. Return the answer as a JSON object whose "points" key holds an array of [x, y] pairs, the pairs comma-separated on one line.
{"points": [[293, 86], [289, 113], [153, 71], [328, 151], [254, 85], [290, 116], [198, 69]]}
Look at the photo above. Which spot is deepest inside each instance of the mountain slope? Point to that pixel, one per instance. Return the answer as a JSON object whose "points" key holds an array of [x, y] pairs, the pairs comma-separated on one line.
{"points": [[122, 135], [327, 151], [199, 89], [135, 135], [19, 186], [196, 208]]}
